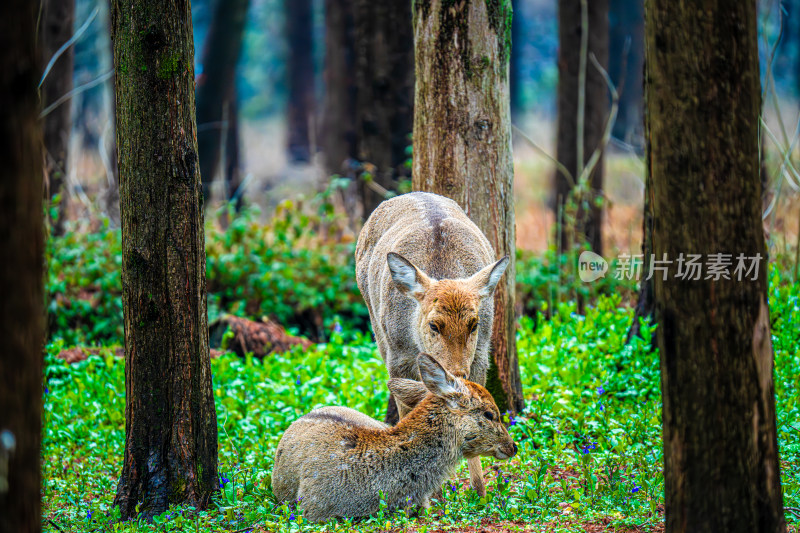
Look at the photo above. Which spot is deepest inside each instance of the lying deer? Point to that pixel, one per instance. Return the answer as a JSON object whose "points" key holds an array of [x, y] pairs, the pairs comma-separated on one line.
{"points": [[428, 275], [338, 462]]}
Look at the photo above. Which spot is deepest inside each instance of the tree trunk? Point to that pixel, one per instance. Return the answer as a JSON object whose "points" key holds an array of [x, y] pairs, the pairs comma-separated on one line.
{"points": [[171, 425], [300, 73], [645, 304], [338, 135], [515, 62], [703, 96], [21, 270], [56, 29], [626, 68], [233, 169], [385, 95], [587, 214], [462, 144], [216, 82]]}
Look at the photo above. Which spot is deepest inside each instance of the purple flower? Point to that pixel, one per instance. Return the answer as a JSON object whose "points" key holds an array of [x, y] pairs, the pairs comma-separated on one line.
{"points": [[46, 390], [453, 488], [291, 516], [88, 515], [602, 407], [512, 421], [337, 327], [601, 391], [635, 488], [297, 382]]}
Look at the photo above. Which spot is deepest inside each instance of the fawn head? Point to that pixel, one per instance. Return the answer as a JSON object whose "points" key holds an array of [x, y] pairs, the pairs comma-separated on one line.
{"points": [[448, 318], [477, 417]]}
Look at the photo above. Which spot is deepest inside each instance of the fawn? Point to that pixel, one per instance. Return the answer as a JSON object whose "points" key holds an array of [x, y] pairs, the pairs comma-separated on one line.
{"points": [[428, 274], [337, 462]]}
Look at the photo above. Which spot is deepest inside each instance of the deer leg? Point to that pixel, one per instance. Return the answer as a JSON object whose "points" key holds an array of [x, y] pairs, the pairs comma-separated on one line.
{"points": [[476, 476]]}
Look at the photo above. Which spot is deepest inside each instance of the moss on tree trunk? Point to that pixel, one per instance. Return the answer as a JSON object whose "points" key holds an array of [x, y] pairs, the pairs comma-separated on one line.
{"points": [[21, 270], [171, 429], [462, 143], [703, 100]]}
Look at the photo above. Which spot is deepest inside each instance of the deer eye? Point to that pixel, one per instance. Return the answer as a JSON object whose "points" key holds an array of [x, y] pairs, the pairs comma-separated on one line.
{"points": [[473, 327], [489, 416], [434, 327]]}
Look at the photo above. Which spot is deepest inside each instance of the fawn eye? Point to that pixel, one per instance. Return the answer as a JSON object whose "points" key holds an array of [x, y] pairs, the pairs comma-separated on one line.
{"points": [[489, 416], [473, 327], [434, 327]]}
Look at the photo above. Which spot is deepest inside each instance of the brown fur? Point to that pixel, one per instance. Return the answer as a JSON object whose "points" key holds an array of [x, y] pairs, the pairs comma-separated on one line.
{"points": [[337, 462], [420, 261]]}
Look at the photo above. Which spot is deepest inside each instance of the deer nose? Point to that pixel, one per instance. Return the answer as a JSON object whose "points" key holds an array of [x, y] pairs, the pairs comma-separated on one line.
{"points": [[514, 446]]}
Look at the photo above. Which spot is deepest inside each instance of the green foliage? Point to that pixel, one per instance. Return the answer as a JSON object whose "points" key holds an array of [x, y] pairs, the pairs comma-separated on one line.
{"points": [[288, 269], [589, 441], [543, 281], [298, 269]]}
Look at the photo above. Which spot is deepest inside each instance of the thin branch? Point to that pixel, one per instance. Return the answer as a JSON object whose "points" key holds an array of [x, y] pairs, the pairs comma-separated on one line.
{"points": [[67, 44], [612, 117], [77, 90], [561, 168]]}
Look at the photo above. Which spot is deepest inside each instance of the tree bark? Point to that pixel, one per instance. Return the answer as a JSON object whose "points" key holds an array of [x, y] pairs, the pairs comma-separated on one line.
{"points": [[338, 132], [703, 98], [215, 83], [626, 68], [385, 95], [171, 426], [21, 270], [588, 213], [515, 62], [462, 144], [300, 71], [56, 29]]}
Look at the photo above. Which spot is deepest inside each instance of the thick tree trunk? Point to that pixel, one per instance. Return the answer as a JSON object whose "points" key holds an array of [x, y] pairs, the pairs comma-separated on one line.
{"points": [[300, 71], [462, 144], [515, 61], [385, 94], [587, 223], [626, 23], [338, 132], [171, 425], [703, 98], [21, 270], [216, 82], [56, 29]]}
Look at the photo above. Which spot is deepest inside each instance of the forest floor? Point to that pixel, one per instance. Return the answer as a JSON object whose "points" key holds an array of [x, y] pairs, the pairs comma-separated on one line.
{"points": [[590, 452]]}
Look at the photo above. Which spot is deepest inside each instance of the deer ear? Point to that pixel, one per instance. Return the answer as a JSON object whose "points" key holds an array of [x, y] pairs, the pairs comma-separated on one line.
{"points": [[438, 380], [486, 279], [407, 391], [408, 278]]}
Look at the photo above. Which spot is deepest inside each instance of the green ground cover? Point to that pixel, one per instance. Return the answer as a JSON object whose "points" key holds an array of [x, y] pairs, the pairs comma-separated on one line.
{"points": [[590, 438]]}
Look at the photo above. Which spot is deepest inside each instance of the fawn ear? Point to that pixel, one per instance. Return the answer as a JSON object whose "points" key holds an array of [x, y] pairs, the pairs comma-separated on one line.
{"points": [[487, 278], [408, 278], [438, 380], [407, 391]]}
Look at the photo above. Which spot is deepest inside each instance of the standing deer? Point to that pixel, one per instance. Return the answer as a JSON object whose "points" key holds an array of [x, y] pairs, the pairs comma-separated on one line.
{"points": [[337, 462], [428, 275]]}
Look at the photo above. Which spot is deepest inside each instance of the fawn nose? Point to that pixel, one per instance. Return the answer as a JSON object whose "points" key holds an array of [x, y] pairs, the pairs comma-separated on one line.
{"points": [[514, 447]]}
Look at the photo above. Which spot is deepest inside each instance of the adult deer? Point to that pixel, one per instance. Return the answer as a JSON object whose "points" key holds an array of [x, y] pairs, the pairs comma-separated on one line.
{"points": [[428, 275]]}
